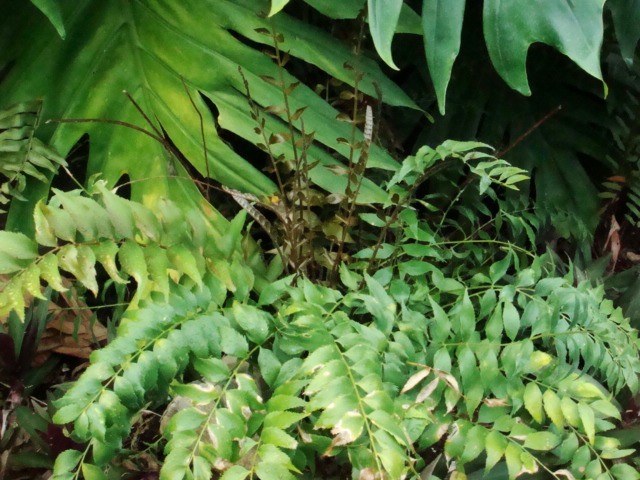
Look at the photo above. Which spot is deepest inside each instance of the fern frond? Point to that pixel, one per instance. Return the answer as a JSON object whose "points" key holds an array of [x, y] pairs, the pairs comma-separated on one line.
{"points": [[22, 155], [112, 231]]}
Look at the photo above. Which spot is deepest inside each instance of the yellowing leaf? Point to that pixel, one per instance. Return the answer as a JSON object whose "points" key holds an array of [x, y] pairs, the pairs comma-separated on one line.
{"points": [[50, 273], [588, 421], [570, 411], [552, 406], [533, 401], [276, 6], [184, 261], [541, 441]]}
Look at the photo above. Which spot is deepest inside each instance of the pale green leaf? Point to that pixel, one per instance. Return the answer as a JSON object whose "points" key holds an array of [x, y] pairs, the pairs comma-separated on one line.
{"points": [[606, 408], [17, 246], [625, 472], [514, 463], [273, 471], [91, 472], [132, 260], [276, 6], [67, 461], [533, 401], [541, 441], [495, 445], [553, 408], [50, 272], [278, 437], [587, 418], [185, 261], [235, 472], [442, 29], [570, 411], [383, 18]]}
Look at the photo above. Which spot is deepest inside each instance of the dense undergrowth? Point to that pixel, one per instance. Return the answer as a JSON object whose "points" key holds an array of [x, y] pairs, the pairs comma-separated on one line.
{"points": [[362, 314]]}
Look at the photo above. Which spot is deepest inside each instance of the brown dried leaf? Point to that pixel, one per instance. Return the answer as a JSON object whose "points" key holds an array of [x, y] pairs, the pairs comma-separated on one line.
{"points": [[415, 379]]}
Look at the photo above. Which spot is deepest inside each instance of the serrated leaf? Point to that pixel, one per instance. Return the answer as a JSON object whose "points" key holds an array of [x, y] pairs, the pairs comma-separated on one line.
{"points": [[235, 472], [80, 261], [514, 463], [89, 218], [269, 366], [105, 253], [544, 441], [278, 438], [66, 462], [67, 414], [44, 233], [50, 272], [511, 320], [253, 321], [17, 246], [282, 419], [273, 471], [625, 472], [467, 317], [157, 267], [587, 418], [495, 445], [380, 305], [133, 263], [91, 472], [498, 269], [184, 261], [606, 408], [553, 408], [533, 401], [232, 342], [475, 443], [570, 411], [31, 281], [60, 221], [119, 210]]}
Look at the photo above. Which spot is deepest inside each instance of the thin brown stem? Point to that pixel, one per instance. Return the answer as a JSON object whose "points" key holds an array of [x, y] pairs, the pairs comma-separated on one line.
{"points": [[501, 153], [202, 136]]}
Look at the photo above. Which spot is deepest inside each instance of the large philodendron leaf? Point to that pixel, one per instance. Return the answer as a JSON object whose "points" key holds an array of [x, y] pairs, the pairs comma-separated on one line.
{"points": [[625, 14], [383, 19], [573, 27], [51, 9], [442, 26], [152, 49]]}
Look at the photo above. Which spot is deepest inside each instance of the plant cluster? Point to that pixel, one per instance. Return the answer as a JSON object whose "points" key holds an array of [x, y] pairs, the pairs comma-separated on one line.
{"points": [[436, 352]]}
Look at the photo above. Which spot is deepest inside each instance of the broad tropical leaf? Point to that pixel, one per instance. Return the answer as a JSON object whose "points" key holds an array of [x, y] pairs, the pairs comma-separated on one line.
{"points": [[625, 14], [157, 51], [442, 24], [574, 28]]}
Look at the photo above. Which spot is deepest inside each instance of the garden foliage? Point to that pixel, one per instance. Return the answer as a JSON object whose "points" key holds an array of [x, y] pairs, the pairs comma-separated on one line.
{"points": [[469, 346]]}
